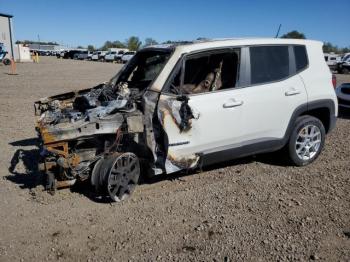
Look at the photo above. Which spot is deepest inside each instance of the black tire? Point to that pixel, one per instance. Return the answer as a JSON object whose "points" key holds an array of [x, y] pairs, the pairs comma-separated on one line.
{"points": [[346, 70], [295, 145], [116, 175], [7, 61]]}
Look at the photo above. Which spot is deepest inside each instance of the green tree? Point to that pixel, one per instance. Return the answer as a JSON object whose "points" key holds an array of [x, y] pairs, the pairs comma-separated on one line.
{"points": [[106, 45], [91, 48], [150, 41], [329, 48], [294, 34], [114, 44], [133, 43], [345, 50], [118, 44], [35, 42], [80, 47]]}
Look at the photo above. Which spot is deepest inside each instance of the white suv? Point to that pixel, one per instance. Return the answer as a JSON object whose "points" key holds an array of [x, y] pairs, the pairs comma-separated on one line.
{"points": [[179, 107], [110, 56]]}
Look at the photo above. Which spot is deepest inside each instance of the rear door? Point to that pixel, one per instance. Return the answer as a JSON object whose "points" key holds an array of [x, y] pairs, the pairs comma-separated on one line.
{"points": [[275, 91]]}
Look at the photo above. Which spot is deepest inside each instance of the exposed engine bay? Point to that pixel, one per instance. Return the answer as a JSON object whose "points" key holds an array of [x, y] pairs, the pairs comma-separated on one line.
{"points": [[76, 128], [98, 133]]}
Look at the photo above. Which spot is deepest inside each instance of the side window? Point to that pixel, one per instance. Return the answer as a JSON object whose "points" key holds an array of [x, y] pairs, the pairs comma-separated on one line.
{"points": [[301, 60], [207, 72], [268, 63]]}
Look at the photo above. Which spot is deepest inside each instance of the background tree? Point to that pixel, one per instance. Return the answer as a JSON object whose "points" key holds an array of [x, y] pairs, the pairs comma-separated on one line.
{"points": [[345, 50], [35, 42], [118, 44], [202, 38], [329, 48], [294, 34], [150, 41], [91, 48], [133, 43], [106, 45], [80, 47], [114, 44]]}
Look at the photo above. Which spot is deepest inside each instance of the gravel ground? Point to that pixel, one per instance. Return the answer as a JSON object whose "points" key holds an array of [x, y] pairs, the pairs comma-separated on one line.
{"points": [[251, 209]]}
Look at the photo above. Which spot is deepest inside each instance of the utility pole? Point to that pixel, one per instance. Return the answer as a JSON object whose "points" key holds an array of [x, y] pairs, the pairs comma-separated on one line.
{"points": [[278, 31], [39, 40]]}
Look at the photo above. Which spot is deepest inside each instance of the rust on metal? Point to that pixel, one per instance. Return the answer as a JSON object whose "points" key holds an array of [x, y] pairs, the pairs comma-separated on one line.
{"points": [[184, 162], [60, 148], [65, 183]]}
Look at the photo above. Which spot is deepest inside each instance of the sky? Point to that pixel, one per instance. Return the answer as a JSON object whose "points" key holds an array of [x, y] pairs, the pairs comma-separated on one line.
{"points": [[78, 22]]}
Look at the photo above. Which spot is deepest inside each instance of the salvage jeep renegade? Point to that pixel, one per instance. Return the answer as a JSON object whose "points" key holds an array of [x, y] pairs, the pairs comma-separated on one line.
{"points": [[183, 106]]}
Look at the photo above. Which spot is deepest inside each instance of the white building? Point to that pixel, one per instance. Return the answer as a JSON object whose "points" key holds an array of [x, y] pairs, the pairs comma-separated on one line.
{"points": [[6, 34]]}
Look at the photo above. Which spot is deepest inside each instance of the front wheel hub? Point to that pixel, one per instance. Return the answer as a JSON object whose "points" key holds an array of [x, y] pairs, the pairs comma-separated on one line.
{"points": [[118, 175]]}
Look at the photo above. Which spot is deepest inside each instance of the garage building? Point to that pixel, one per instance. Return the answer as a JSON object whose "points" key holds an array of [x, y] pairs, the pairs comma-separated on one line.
{"points": [[6, 33]]}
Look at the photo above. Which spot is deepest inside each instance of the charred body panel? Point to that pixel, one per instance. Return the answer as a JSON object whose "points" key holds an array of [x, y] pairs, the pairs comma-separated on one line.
{"points": [[176, 116], [80, 129], [83, 131]]}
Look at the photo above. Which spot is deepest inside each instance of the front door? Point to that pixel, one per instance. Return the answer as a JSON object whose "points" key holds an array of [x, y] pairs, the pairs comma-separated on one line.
{"points": [[201, 112]]}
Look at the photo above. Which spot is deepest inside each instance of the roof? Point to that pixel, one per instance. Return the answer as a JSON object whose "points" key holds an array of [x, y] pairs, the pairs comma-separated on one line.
{"points": [[6, 15], [198, 46], [229, 42], [185, 47]]}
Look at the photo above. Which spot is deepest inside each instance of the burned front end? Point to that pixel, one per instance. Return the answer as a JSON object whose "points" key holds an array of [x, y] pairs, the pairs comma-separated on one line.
{"points": [[100, 133], [77, 129]]}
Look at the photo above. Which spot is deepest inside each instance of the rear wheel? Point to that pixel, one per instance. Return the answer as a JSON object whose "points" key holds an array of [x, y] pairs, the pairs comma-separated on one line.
{"points": [[306, 141], [346, 70], [7, 61]]}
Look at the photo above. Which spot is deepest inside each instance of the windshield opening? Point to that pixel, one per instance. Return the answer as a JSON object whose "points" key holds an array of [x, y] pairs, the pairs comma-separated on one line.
{"points": [[142, 69]]}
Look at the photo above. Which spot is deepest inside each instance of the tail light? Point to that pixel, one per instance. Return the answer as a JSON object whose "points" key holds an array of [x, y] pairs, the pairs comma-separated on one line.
{"points": [[334, 81]]}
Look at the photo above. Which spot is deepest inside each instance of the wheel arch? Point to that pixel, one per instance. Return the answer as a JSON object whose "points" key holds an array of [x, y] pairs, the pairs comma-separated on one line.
{"points": [[323, 109]]}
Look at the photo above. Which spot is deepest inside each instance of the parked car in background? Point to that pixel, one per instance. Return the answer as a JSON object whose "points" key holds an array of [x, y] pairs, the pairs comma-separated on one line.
{"points": [[61, 54], [76, 55], [332, 60], [181, 107], [110, 56], [343, 95], [98, 56], [343, 67], [70, 54], [119, 55], [102, 55], [95, 55], [3, 53], [84, 55], [127, 56]]}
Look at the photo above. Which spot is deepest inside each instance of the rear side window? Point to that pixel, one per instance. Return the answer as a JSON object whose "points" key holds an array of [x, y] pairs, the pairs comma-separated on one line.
{"points": [[269, 63], [301, 60]]}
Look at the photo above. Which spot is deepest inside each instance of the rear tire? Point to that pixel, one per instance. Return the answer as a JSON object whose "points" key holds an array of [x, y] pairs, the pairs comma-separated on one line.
{"points": [[306, 141], [346, 70], [7, 61]]}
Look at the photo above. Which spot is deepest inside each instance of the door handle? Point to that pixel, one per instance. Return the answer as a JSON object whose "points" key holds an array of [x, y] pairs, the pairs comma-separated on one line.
{"points": [[292, 92], [232, 103]]}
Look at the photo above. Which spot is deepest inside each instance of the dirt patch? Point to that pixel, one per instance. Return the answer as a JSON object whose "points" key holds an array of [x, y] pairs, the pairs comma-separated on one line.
{"points": [[248, 209]]}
